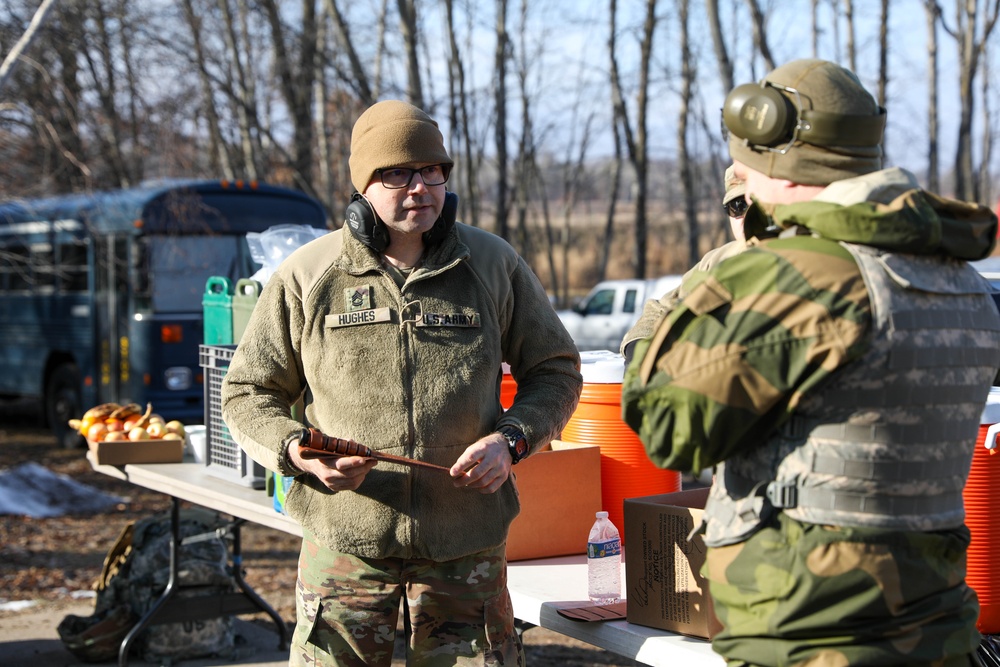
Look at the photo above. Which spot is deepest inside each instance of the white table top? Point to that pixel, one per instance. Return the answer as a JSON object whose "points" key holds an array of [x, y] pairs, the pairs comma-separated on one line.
{"points": [[537, 587]]}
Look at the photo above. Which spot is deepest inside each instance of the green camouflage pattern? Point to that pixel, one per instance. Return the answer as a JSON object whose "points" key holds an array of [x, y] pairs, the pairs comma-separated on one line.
{"points": [[757, 336], [733, 359], [348, 609], [798, 594]]}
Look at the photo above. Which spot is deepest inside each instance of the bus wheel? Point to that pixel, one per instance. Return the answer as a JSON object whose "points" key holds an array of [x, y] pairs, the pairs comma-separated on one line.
{"points": [[62, 403]]}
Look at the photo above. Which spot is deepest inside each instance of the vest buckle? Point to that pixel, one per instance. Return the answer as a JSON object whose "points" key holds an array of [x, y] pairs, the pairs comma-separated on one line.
{"points": [[782, 495]]}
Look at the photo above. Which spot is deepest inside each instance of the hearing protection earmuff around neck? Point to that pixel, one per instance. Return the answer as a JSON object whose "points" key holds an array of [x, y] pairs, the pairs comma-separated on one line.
{"points": [[368, 228], [767, 120]]}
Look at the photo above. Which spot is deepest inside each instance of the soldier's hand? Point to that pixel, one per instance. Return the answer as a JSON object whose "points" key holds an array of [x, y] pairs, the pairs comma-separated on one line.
{"points": [[337, 473], [484, 465]]}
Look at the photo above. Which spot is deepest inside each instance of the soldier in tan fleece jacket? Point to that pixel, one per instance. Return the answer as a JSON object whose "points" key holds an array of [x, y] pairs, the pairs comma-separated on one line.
{"points": [[393, 330]]}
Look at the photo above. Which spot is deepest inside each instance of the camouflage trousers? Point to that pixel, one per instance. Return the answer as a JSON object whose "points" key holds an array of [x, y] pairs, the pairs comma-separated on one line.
{"points": [[458, 612], [802, 595]]}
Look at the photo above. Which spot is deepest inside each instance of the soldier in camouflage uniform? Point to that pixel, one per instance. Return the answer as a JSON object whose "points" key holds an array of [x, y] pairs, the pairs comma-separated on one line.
{"points": [[836, 371], [393, 330]]}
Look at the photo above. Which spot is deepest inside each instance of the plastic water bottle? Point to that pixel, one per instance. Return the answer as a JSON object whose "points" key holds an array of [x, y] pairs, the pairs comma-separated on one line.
{"points": [[604, 558]]}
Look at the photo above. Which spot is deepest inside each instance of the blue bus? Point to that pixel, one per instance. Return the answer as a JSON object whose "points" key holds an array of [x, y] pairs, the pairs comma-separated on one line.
{"points": [[101, 293]]}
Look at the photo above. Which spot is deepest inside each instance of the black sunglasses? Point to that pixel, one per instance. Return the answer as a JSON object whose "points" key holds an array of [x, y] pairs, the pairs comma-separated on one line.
{"points": [[737, 207]]}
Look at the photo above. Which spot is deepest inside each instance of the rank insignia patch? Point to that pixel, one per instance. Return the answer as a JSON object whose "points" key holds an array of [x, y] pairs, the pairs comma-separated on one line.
{"points": [[358, 298]]}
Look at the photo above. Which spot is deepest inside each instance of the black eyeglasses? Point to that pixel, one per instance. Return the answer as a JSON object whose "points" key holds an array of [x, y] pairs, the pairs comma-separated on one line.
{"points": [[397, 178], [737, 207]]}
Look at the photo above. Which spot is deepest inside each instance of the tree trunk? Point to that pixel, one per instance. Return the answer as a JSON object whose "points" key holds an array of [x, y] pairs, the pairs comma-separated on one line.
{"points": [[719, 45], [852, 53], [24, 41], [244, 104], [883, 65], [458, 113], [640, 160], [760, 34], [218, 155], [358, 79], [408, 28], [296, 85], [931, 12], [500, 101], [688, 72]]}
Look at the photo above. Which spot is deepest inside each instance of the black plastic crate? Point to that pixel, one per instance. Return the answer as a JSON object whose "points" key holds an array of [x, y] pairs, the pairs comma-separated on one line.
{"points": [[223, 457]]}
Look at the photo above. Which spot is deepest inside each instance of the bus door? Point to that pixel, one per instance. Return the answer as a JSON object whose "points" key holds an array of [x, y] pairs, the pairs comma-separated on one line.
{"points": [[111, 314]]}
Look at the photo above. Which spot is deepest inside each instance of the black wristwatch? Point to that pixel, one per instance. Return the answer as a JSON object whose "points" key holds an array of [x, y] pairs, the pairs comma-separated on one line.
{"points": [[517, 444]]}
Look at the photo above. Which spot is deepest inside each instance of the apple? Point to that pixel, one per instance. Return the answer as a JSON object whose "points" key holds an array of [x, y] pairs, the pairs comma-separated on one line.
{"points": [[113, 436], [154, 418], [114, 425], [156, 430], [138, 433], [169, 435]]}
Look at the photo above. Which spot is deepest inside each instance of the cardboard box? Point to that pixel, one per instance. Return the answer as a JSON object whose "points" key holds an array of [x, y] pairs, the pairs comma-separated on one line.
{"points": [[120, 452], [663, 582], [560, 492]]}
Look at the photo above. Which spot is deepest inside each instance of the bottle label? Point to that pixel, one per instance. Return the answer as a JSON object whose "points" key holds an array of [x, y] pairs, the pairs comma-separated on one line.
{"points": [[604, 549]]}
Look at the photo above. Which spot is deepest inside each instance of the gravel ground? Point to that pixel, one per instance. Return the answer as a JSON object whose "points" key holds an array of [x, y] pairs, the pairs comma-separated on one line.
{"points": [[55, 559]]}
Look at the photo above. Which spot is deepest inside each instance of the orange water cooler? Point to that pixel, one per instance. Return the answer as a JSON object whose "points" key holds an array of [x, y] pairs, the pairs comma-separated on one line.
{"points": [[626, 471], [983, 573], [507, 388]]}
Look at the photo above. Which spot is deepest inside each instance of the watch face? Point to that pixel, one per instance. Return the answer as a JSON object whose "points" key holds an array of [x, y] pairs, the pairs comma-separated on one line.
{"points": [[521, 447]]}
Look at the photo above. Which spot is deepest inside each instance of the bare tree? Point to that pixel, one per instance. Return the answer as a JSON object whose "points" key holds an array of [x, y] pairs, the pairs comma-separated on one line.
{"points": [[932, 12], [688, 73], [636, 143], [757, 20], [500, 100], [719, 44], [814, 16], [296, 83], [883, 61], [24, 42], [218, 154], [408, 29], [357, 76], [971, 38], [852, 52], [986, 153], [458, 116], [238, 80]]}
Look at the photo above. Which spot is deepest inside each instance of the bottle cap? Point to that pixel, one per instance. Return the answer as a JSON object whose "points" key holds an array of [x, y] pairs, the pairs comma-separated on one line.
{"points": [[602, 515]]}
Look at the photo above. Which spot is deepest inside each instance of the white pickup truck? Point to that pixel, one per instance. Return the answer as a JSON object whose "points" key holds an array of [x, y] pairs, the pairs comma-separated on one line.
{"points": [[604, 316]]}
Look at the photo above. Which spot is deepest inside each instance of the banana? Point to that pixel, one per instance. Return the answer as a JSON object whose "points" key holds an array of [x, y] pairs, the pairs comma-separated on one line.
{"points": [[143, 421], [76, 425], [100, 412], [126, 412]]}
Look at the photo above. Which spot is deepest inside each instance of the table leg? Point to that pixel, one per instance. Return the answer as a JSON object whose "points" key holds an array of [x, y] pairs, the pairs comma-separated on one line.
{"points": [[251, 593], [168, 592]]}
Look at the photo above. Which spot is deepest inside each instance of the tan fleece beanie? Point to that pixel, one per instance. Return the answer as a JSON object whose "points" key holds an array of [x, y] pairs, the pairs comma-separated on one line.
{"points": [[827, 87], [390, 134]]}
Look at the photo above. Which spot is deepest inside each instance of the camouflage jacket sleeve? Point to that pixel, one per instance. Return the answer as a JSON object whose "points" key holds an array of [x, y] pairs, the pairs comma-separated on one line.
{"points": [[655, 310], [729, 364]]}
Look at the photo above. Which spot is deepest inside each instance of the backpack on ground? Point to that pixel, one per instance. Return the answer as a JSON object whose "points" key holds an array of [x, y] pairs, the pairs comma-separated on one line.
{"points": [[135, 573]]}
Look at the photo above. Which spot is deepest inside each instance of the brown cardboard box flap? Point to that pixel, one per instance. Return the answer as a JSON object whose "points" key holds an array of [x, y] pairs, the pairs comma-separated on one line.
{"points": [[560, 491]]}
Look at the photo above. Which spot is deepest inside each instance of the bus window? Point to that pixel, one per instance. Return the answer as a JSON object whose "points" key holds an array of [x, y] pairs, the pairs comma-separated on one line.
{"points": [[16, 268], [43, 268], [72, 267]]}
